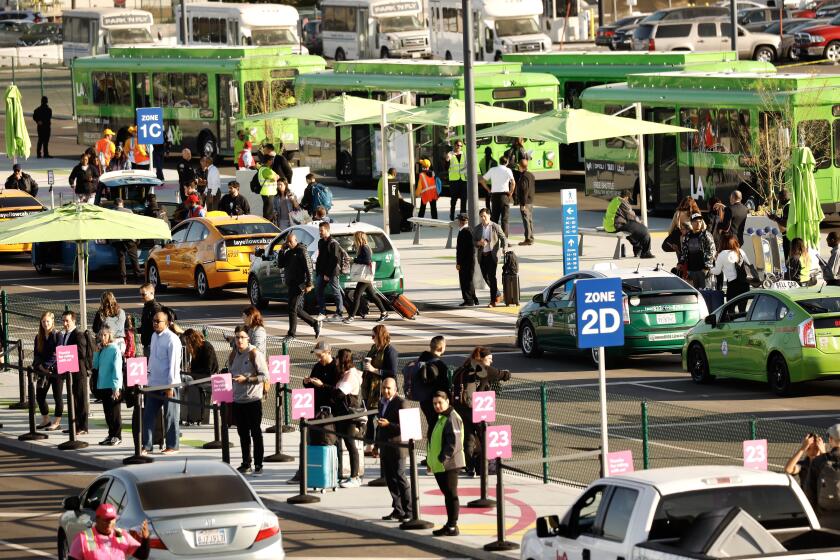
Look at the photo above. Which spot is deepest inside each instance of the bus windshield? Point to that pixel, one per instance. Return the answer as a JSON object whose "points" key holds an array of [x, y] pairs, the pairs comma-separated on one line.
{"points": [[273, 36], [516, 26], [129, 36], [400, 23]]}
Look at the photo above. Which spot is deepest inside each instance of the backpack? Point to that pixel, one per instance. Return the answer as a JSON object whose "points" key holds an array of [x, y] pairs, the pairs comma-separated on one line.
{"points": [[90, 349], [321, 196], [255, 185], [344, 260], [828, 487], [414, 381], [328, 436], [464, 384], [511, 264]]}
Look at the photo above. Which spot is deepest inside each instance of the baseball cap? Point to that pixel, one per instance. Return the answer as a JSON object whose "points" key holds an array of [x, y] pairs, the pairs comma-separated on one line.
{"points": [[321, 348], [16, 167], [463, 218], [696, 216], [107, 511], [193, 198], [132, 128], [108, 131]]}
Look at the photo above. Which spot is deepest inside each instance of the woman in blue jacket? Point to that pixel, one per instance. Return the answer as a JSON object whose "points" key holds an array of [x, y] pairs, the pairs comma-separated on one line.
{"points": [[108, 362]]}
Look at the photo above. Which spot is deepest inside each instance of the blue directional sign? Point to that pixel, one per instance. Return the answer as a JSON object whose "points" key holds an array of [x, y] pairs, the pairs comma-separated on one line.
{"points": [[598, 304], [568, 209], [150, 125]]}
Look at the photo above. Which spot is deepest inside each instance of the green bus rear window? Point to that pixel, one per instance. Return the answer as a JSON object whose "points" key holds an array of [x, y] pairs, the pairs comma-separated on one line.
{"points": [[508, 93]]}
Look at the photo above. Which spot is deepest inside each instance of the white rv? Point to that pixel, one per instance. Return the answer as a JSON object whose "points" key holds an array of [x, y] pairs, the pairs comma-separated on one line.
{"points": [[93, 31], [357, 29], [218, 23], [500, 26]]}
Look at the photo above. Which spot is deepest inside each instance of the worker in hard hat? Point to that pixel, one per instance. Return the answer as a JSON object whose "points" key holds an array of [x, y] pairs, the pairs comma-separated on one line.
{"points": [[105, 148]]}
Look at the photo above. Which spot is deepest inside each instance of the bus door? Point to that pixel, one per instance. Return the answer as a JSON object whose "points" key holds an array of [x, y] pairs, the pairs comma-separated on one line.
{"points": [[367, 34], [224, 86], [97, 43], [361, 148], [661, 160], [233, 32]]}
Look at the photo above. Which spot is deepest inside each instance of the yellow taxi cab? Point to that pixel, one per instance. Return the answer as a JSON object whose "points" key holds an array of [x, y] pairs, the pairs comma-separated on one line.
{"points": [[15, 203], [209, 253]]}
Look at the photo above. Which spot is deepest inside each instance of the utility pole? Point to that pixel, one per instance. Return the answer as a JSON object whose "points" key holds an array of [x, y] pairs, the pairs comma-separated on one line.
{"points": [[469, 126], [734, 22]]}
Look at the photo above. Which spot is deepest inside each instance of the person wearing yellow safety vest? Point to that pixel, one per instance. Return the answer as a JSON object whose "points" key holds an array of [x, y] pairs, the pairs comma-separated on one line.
{"points": [[620, 217], [268, 186], [137, 153], [427, 189], [457, 161], [105, 148], [104, 541]]}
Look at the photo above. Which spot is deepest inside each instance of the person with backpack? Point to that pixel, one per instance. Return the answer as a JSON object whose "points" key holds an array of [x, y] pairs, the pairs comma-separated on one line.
{"points": [[732, 262], [800, 462], [697, 255], [267, 180], [822, 487], [85, 347], [328, 272], [249, 373], [424, 377], [476, 374], [315, 195], [427, 189]]}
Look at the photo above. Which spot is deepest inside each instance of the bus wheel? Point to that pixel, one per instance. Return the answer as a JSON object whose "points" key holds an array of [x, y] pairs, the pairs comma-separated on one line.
{"points": [[339, 54], [448, 56], [384, 53], [764, 54], [832, 51], [207, 145]]}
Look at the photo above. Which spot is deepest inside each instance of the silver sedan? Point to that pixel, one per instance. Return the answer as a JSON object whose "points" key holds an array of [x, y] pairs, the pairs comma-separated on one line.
{"points": [[196, 509]]}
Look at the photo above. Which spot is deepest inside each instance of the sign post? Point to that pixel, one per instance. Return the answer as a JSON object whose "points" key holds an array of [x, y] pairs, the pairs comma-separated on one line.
{"points": [[51, 182], [150, 130], [600, 324], [568, 209]]}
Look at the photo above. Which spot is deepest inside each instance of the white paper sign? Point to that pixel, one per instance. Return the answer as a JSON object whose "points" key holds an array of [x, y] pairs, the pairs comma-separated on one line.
{"points": [[410, 427]]}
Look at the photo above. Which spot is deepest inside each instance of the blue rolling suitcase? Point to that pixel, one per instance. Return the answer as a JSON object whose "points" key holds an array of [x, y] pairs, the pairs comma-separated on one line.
{"points": [[322, 467]]}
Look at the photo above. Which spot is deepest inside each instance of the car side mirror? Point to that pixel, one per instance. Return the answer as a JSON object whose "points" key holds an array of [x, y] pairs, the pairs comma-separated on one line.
{"points": [[538, 298], [260, 252], [72, 503], [549, 526], [711, 319]]}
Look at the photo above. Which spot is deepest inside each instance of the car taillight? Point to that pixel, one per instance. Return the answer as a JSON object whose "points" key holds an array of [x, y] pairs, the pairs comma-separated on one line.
{"points": [[609, 33], [651, 45], [807, 336], [154, 540], [625, 308], [270, 527], [221, 251]]}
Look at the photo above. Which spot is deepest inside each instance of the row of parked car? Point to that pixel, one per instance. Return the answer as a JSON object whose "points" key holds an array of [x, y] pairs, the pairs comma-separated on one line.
{"points": [[27, 28], [811, 32]]}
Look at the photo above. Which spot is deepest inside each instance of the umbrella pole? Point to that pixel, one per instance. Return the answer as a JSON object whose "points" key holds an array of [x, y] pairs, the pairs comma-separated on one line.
{"points": [[411, 170], [642, 174], [386, 188], [82, 285]]}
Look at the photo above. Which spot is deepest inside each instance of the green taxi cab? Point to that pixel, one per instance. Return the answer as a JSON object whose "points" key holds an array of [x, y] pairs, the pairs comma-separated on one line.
{"points": [[659, 308], [782, 335]]}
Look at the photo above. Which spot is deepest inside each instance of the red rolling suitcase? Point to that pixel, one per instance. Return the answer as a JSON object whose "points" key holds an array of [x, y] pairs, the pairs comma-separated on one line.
{"points": [[403, 306]]}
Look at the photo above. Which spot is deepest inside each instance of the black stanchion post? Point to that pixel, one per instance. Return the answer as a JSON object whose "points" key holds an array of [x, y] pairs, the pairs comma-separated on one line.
{"points": [[72, 443], [483, 501], [137, 422], [303, 497], [501, 544], [415, 523], [22, 401], [287, 428], [225, 437], [217, 437], [32, 434], [279, 456]]}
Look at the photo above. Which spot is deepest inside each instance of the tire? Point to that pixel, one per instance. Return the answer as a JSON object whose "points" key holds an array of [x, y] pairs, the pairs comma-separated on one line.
{"points": [[528, 341], [698, 365], [832, 51], [153, 276], [63, 546], [764, 54], [447, 56], [207, 145], [384, 53], [254, 295], [339, 55], [778, 375], [202, 284], [42, 269]]}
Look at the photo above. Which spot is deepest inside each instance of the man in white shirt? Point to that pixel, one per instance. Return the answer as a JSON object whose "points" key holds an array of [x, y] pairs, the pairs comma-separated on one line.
{"points": [[502, 185], [214, 179], [164, 369]]}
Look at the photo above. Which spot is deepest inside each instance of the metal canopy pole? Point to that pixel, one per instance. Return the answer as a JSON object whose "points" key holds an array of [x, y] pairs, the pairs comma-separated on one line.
{"points": [[469, 127], [641, 162], [386, 188]]}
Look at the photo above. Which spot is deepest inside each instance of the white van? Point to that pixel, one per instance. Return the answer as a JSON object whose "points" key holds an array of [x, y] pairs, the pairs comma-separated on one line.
{"points": [[93, 31], [357, 29], [217, 23], [503, 26]]}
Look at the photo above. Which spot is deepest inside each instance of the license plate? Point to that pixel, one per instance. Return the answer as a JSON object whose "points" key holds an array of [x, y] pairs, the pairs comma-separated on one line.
{"points": [[416, 55], [666, 319], [210, 537], [377, 284], [665, 336]]}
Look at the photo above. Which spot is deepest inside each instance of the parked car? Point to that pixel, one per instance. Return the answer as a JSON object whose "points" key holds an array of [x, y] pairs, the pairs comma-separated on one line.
{"points": [[819, 41], [705, 34], [43, 33], [622, 39], [266, 279], [688, 12], [196, 509], [311, 36], [11, 30], [742, 4], [15, 203], [789, 28], [810, 9], [828, 10], [605, 33], [22, 15], [756, 19]]}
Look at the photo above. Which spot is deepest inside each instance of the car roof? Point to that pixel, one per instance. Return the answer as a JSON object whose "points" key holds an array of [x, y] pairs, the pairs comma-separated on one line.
{"points": [[17, 193], [223, 220], [676, 480], [797, 294], [170, 469], [342, 229], [631, 273], [128, 177]]}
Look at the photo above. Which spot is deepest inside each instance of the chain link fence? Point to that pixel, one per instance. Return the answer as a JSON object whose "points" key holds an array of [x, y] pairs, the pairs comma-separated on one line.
{"points": [[547, 418]]}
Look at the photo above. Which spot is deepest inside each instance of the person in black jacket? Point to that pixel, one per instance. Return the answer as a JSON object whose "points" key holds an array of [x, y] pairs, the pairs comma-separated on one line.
{"points": [[84, 178], [203, 359], [43, 365], [812, 486], [21, 181], [233, 203], [524, 193], [465, 262], [435, 378], [735, 217], [43, 120], [70, 336], [328, 272], [281, 164], [392, 458], [364, 288], [294, 259], [150, 307], [187, 172]]}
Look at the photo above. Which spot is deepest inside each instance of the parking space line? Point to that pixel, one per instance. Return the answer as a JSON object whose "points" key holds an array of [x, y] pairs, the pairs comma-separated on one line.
{"points": [[658, 388], [32, 551]]}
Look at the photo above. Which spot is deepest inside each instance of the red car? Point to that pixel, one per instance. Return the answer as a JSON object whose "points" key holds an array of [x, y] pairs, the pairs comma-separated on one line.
{"points": [[822, 41]]}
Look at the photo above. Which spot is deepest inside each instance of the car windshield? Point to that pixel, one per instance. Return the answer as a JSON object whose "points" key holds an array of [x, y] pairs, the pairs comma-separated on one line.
{"points": [[129, 36], [273, 36], [643, 32], [253, 228], [377, 241], [654, 284], [516, 26], [835, 20], [399, 23], [193, 491], [820, 305]]}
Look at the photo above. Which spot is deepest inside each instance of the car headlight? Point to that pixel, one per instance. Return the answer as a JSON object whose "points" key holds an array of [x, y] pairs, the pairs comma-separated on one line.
{"points": [[817, 39]]}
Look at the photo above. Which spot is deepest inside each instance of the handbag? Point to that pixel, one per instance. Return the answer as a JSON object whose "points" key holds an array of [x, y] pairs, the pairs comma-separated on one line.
{"points": [[362, 272], [671, 244], [299, 216]]}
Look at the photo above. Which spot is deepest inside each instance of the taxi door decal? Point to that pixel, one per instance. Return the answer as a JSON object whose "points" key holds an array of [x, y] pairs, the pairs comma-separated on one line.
{"points": [[724, 348]]}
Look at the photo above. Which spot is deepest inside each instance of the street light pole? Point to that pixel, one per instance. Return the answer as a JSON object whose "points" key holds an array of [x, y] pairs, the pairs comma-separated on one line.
{"points": [[734, 22], [469, 125], [386, 188]]}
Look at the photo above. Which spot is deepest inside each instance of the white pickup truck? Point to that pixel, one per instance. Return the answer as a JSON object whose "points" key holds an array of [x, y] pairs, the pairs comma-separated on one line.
{"points": [[682, 513]]}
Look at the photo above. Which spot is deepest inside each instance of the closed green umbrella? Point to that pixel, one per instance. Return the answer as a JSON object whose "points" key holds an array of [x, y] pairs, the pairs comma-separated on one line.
{"points": [[17, 137], [81, 222], [451, 113], [805, 213]]}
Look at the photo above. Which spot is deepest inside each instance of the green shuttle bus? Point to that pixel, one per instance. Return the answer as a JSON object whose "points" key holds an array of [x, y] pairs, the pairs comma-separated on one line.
{"points": [[496, 83], [577, 71], [207, 93], [745, 125]]}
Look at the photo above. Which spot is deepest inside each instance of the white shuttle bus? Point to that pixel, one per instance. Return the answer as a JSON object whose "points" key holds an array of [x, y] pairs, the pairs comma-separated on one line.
{"points": [[502, 26], [357, 29], [87, 32], [218, 23]]}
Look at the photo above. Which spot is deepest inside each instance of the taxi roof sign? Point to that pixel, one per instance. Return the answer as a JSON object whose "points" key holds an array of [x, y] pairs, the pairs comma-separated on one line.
{"points": [[785, 285]]}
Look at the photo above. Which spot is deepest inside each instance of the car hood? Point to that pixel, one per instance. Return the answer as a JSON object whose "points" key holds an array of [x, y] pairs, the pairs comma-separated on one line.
{"points": [[528, 308], [818, 30]]}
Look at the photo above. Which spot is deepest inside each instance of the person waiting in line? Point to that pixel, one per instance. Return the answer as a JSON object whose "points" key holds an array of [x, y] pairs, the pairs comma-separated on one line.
{"points": [[255, 327], [43, 364], [489, 239], [202, 355], [831, 270], [393, 458], [150, 309], [164, 369], [105, 541], [829, 518], [108, 361], [697, 255], [364, 284], [283, 205], [346, 400], [381, 361], [73, 336], [445, 459], [730, 260], [800, 462], [21, 181], [233, 203], [294, 259], [111, 315], [248, 369], [434, 378], [84, 178], [427, 189], [620, 217]]}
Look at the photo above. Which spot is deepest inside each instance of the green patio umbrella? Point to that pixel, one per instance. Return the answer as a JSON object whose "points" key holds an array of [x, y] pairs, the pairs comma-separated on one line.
{"points": [[81, 222], [805, 212], [341, 109], [17, 137], [451, 113]]}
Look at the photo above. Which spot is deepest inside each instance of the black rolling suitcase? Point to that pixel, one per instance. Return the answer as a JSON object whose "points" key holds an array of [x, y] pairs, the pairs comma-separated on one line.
{"points": [[195, 411], [510, 279]]}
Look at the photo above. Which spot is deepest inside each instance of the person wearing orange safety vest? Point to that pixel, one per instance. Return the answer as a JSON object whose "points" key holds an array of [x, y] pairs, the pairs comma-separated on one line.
{"points": [[105, 148], [104, 541], [137, 154], [427, 190]]}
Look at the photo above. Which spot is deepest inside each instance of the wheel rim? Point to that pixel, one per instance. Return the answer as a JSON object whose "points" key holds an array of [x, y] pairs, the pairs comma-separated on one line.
{"points": [[833, 52], [595, 355], [698, 371], [201, 283], [254, 291], [778, 375], [764, 56], [153, 276], [527, 339]]}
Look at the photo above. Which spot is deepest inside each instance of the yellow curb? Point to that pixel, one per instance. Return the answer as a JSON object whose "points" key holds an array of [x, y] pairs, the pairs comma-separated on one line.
{"points": [[501, 308]]}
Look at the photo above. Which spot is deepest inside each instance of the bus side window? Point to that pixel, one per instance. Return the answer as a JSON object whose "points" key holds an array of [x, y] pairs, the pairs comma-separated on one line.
{"points": [[256, 98], [708, 131], [689, 141], [836, 129], [726, 140], [619, 143], [816, 134], [160, 87], [176, 91], [743, 132], [540, 106]]}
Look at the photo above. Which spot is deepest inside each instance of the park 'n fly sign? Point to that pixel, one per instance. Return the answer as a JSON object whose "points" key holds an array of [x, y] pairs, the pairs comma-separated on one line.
{"points": [[150, 125], [600, 320]]}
